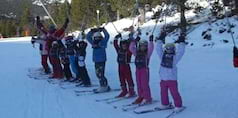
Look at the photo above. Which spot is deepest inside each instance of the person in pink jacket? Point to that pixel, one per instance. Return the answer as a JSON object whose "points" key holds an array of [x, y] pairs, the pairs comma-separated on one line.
{"points": [[142, 54], [170, 55]]}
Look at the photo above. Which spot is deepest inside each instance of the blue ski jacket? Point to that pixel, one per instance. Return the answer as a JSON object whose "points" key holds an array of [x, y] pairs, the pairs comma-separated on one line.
{"points": [[99, 54]]}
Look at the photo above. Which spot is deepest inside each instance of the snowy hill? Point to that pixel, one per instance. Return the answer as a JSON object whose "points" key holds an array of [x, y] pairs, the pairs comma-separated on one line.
{"points": [[207, 78]]}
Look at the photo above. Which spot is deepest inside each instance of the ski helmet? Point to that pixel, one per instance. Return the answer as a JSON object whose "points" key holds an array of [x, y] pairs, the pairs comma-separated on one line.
{"points": [[54, 43], [69, 40], [52, 28], [124, 42], [81, 43], [143, 44], [170, 48], [97, 36]]}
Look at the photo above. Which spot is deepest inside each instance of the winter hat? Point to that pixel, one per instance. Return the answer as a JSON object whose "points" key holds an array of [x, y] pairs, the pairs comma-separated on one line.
{"points": [[170, 48]]}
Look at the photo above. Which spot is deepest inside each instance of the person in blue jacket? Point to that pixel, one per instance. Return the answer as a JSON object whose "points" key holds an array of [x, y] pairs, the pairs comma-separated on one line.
{"points": [[99, 45]]}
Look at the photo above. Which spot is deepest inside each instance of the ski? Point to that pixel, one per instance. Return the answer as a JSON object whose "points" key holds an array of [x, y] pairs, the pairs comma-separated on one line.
{"points": [[105, 99], [79, 93], [37, 74], [53, 81], [172, 114], [135, 106], [85, 91], [156, 109], [73, 85], [119, 99]]}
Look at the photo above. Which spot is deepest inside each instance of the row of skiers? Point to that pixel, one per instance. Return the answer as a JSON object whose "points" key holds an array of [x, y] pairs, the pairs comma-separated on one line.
{"points": [[73, 53]]}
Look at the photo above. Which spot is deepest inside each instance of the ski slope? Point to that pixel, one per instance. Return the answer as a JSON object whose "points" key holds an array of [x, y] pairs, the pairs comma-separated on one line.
{"points": [[207, 79]]}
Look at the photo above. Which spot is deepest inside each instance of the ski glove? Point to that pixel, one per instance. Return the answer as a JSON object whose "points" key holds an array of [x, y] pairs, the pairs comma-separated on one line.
{"points": [[118, 36], [37, 18], [94, 30], [137, 39], [67, 20], [151, 37], [100, 29], [181, 39], [66, 23]]}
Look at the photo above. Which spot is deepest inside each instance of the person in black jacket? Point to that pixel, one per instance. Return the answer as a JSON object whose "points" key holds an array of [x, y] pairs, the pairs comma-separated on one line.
{"points": [[80, 57]]}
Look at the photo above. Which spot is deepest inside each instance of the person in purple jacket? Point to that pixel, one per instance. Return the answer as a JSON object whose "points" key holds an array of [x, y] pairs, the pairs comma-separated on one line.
{"points": [[170, 55], [142, 54], [99, 45]]}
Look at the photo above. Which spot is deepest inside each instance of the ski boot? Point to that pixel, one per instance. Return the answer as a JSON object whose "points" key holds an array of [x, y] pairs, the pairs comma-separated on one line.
{"points": [[138, 100], [132, 93], [102, 89]]}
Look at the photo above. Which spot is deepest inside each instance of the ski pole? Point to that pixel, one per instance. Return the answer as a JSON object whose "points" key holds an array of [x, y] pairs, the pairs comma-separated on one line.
{"points": [[158, 20], [48, 13], [110, 19]]}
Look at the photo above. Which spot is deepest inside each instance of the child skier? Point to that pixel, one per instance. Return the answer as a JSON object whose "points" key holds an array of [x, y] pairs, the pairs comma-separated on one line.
{"points": [[44, 53], [65, 61], [80, 57], [142, 54], [55, 61], [170, 56], [70, 48], [99, 45], [124, 59]]}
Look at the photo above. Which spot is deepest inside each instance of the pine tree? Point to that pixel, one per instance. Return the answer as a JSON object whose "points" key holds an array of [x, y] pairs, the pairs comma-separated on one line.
{"points": [[58, 11]]}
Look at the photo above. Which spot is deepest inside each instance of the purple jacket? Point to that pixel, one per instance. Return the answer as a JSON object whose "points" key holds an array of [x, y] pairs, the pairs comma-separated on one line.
{"points": [[149, 52], [170, 73]]}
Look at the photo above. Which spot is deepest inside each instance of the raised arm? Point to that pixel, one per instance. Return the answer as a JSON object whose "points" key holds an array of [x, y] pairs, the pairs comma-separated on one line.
{"points": [[89, 37], [59, 34], [159, 48], [179, 52], [132, 48], [116, 46], [106, 34], [115, 42], [40, 26], [150, 49]]}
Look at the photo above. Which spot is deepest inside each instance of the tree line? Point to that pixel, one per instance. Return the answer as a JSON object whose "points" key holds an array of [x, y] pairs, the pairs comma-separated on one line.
{"points": [[17, 17]]}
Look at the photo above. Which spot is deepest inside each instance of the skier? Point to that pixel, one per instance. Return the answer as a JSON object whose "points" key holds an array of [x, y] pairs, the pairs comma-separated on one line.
{"points": [[142, 55], [70, 48], [65, 61], [124, 59], [80, 57], [99, 45], [170, 55], [52, 34], [44, 53], [55, 61]]}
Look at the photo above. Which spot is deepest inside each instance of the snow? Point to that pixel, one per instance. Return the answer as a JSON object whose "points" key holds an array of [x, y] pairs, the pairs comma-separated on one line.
{"points": [[207, 79]]}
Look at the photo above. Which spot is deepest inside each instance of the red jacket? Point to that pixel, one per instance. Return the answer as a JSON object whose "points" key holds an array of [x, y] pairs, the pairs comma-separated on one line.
{"points": [[50, 37]]}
